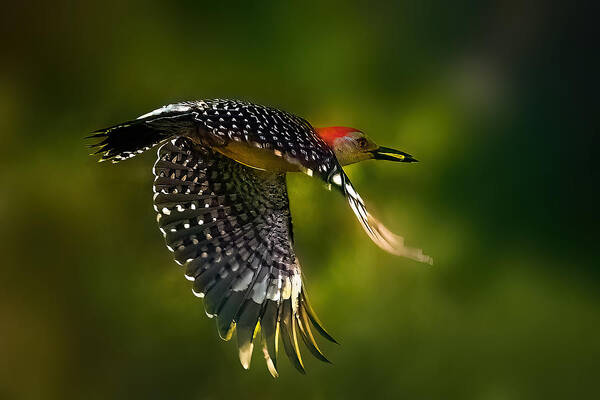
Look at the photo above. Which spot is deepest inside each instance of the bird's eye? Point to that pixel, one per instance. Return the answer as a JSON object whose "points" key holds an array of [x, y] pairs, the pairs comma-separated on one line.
{"points": [[362, 142]]}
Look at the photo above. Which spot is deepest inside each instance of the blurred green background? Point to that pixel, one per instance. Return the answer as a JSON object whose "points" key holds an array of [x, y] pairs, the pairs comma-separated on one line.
{"points": [[483, 93]]}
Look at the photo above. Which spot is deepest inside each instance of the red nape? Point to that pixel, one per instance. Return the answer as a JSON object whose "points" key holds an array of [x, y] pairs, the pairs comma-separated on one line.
{"points": [[330, 133]]}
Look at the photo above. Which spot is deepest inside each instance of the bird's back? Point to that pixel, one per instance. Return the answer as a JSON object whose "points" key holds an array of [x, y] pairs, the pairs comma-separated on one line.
{"points": [[262, 137]]}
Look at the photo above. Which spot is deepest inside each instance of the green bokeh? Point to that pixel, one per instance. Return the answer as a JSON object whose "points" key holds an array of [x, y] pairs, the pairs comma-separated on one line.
{"points": [[92, 305]]}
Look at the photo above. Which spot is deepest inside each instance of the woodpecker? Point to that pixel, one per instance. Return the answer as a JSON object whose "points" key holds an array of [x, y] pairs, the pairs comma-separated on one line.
{"points": [[222, 206]]}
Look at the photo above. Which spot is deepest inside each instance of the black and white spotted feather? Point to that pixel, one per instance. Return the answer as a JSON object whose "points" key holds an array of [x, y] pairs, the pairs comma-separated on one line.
{"points": [[230, 226], [128, 139]]}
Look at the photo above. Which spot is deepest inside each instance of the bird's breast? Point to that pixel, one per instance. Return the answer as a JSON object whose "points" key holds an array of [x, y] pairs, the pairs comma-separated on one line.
{"points": [[257, 157]]}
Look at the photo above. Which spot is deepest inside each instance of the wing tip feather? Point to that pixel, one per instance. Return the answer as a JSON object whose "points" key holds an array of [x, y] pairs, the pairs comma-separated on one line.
{"points": [[377, 232]]}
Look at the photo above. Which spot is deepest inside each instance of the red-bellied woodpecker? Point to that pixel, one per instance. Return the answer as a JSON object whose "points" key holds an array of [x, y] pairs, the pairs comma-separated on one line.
{"points": [[222, 204]]}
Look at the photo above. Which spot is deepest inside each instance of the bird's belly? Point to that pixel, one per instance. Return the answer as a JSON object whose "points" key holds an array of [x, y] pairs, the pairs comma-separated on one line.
{"points": [[255, 157]]}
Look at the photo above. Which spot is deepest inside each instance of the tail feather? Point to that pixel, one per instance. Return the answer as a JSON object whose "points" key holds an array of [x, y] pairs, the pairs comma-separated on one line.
{"points": [[125, 140]]}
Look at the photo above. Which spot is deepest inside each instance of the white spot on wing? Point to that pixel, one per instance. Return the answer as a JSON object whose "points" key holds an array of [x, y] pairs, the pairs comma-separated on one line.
{"points": [[337, 179]]}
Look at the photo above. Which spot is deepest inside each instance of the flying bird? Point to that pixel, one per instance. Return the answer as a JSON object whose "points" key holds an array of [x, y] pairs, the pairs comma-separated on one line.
{"points": [[222, 205]]}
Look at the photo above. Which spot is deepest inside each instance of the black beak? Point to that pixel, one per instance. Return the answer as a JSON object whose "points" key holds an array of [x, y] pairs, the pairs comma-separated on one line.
{"points": [[385, 153]]}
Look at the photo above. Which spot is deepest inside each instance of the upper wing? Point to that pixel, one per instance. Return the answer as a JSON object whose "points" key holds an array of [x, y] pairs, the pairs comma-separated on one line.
{"points": [[230, 226]]}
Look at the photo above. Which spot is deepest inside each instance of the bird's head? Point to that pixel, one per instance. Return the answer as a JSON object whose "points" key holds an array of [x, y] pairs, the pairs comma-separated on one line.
{"points": [[350, 146]]}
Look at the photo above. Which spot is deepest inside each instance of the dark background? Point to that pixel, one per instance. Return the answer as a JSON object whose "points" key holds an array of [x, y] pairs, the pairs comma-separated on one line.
{"points": [[495, 98]]}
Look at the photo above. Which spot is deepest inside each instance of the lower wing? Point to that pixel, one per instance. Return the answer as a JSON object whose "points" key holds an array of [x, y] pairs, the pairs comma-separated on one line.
{"points": [[230, 226]]}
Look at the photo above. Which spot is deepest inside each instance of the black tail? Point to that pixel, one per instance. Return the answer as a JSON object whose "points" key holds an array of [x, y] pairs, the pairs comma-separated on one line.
{"points": [[125, 140]]}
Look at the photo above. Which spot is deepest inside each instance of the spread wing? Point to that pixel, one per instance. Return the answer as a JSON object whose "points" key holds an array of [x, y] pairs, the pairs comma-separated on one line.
{"points": [[230, 226]]}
